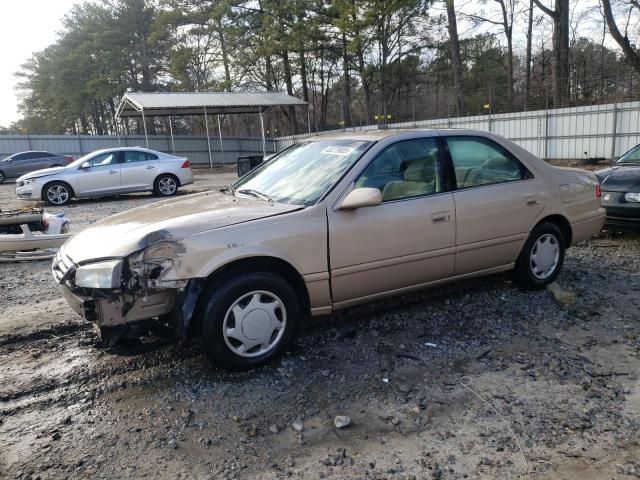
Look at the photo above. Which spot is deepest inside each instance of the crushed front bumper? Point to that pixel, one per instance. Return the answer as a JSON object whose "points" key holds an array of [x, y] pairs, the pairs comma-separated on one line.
{"points": [[109, 307]]}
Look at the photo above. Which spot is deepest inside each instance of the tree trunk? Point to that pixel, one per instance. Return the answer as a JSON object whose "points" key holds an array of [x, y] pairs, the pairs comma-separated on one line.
{"points": [[456, 61], [291, 111], [621, 40], [560, 60], [225, 56], [346, 79], [527, 80]]}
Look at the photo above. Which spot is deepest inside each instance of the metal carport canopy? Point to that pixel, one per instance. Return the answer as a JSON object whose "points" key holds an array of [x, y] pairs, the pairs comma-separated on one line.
{"points": [[204, 103], [193, 103]]}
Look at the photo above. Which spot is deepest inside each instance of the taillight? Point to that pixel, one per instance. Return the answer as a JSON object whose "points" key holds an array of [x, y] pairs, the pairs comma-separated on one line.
{"points": [[598, 191], [186, 164], [69, 158]]}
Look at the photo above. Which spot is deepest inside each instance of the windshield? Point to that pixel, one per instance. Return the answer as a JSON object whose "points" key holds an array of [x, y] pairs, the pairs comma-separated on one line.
{"points": [[632, 156], [81, 160], [302, 174]]}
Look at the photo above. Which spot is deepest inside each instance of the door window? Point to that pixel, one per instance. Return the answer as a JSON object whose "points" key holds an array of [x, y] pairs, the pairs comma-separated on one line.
{"points": [[133, 156], [405, 169], [478, 161], [103, 159]]}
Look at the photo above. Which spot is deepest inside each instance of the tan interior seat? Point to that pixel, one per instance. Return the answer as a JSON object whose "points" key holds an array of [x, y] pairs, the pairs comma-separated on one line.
{"points": [[420, 178]]}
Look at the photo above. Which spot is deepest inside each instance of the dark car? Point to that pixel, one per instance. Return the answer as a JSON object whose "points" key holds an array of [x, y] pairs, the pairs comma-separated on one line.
{"points": [[24, 162], [621, 191]]}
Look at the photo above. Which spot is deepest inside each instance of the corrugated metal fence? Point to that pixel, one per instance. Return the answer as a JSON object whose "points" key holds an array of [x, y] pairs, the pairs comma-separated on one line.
{"points": [[567, 133], [194, 148]]}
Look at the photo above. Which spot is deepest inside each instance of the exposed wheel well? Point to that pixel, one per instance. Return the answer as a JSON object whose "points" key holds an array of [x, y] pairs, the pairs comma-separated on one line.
{"points": [[167, 175], [564, 226], [46, 185], [260, 264]]}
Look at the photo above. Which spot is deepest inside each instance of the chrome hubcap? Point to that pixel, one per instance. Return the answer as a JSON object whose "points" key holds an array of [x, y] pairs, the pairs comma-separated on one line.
{"points": [[167, 186], [254, 324], [57, 194], [545, 255]]}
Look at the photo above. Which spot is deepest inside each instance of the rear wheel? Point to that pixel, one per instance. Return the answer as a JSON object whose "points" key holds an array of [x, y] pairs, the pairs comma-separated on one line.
{"points": [[248, 320], [542, 257], [57, 194], [2, 177], [165, 185]]}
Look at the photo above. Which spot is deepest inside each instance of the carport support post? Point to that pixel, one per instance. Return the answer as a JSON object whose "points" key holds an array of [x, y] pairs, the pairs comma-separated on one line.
{"points": [[309, 119], [220, 135], [144, 124], [206, 125], [264, 142], [173, 145]]}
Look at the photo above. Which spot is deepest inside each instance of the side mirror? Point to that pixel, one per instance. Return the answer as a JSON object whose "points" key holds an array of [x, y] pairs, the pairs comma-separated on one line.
{"points": [[361, 197], [85, 165]]}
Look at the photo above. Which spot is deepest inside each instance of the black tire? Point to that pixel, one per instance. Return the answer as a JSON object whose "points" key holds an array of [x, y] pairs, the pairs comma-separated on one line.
{"points": [[56, 166], [2, 177], [215, 306], [166, 185], [524, 273], [65, 194]]}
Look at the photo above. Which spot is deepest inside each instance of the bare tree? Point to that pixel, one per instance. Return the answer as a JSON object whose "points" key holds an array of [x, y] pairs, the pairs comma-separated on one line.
{"points": [[527, 80], [560, 61], [630, 53], [456, 61]]}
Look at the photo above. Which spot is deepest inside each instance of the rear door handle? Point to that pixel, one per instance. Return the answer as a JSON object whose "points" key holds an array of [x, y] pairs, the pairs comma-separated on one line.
{"points": [[533, 200], [440, 217], [111, 172], [149, 167]]}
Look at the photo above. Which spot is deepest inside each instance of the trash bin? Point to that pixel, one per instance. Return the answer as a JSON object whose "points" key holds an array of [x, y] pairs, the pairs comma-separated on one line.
{"points": [[247, 163]]}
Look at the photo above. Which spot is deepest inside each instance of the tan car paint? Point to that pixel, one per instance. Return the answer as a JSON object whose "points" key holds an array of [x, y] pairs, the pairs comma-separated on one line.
{"points": [[370, 252]]}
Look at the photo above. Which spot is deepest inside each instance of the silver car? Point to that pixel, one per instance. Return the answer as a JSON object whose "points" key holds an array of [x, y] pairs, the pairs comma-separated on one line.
{"points": [[107, 172], [25, 162]]}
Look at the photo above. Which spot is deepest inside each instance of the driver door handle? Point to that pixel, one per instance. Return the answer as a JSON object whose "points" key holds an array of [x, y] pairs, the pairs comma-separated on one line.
{"points": [[149, 167], [111, 172], [440, 217]]}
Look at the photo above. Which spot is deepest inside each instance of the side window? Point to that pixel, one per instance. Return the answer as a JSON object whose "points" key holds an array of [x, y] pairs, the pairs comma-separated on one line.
{"points": [[409, 168], [103, 159], [478, 161], [20, 156], [131, 156]]}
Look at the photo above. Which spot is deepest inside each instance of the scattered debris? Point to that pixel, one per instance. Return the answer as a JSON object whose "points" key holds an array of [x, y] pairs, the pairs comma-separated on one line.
{"points": [[342, 421], [298, 426], [562, 296]]}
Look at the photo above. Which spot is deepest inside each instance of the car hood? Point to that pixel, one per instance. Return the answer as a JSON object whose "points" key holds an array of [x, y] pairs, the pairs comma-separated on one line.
{"points": [[45, 172], [174, 219], [619, 179]]}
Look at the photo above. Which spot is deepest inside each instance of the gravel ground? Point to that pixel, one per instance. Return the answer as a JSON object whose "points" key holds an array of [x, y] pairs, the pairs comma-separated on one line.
{"points": [[478, 379]]}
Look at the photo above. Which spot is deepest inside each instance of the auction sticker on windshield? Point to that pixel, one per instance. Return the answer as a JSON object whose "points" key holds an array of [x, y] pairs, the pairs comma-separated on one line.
{"points": [[336, 150]]}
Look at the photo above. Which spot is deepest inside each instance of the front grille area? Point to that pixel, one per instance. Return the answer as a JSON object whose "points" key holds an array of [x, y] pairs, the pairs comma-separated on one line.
{"points": [[63, 269]]}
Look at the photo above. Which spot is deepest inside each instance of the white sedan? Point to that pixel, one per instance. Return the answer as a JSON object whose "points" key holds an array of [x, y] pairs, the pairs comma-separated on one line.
{"points": [[107, 172]]}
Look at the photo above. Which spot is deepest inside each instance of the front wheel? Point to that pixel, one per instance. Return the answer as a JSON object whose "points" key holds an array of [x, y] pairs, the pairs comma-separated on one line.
{"points": [[165, 185], [57, 194], [1, 176], [248, 320], [542, 257]]}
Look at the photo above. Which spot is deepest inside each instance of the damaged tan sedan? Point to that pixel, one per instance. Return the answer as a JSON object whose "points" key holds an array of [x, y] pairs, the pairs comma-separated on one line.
{"points": [[327, 223]]}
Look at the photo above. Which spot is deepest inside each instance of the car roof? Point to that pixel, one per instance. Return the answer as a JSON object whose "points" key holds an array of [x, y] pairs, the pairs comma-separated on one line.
{"points": [[380, 134], [117, 149]]}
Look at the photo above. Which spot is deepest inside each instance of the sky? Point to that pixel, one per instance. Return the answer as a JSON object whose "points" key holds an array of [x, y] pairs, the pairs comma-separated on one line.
{"points": [[26, 26]]}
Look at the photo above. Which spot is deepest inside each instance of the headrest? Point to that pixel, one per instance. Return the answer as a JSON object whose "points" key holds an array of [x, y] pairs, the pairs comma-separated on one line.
{"points": [[421, 169]]}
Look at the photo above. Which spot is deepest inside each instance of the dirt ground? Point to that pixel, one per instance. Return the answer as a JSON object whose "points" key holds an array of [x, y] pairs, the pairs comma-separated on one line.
{"points": [[477, 379]]}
